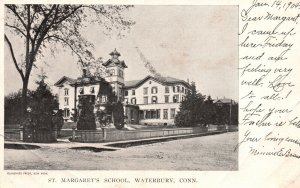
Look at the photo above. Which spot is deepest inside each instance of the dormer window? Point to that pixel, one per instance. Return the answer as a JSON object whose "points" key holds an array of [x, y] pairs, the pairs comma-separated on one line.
{"points": [[81, 91]]}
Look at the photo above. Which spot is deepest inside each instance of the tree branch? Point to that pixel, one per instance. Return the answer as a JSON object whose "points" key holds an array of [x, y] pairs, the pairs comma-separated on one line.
{"points": [[16, 28], [43, 23], [18, 16], [66, 42], [67, 16], [13, 56]]}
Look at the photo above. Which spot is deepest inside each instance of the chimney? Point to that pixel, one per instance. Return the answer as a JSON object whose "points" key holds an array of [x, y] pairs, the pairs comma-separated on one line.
{"points": [[188, 81]]}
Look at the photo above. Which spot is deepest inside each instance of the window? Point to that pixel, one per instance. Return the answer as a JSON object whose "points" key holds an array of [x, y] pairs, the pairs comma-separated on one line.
{"points": [[165, 113], [178, 89], [81, 91], [172, 113], [154, 99], [66, 91], [154, 90], [175, 98], [66, 112], [141, 114], [145, 100], [167, 89], [174, 89], [145, 91], [158, 114], [133, 101], [66, 101], [126, 93], [92, 90], [103, 99], [148, 114], [111, 72], [133, 92], [153, 114], [120, 73], [126, 101], [182, 89], [167, 99]]}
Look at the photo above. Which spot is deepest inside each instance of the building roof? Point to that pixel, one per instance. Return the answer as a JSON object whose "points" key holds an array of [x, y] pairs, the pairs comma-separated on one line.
{"points": [[115, 52], [63, 79], [224, 101], [131, 83], [115, 61], [164, 80], [78, 81]]}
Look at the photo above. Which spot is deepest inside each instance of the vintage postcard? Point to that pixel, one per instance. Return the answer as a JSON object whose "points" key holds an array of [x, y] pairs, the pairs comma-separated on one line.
{"points": [[133, 94]]}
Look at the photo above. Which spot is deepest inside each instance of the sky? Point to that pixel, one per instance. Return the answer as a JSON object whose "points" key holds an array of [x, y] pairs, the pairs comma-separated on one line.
{"points": [[199, 43]]}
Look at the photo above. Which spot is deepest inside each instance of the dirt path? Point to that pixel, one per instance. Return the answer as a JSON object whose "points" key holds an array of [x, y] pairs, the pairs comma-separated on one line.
{"points": [[213, 152]]}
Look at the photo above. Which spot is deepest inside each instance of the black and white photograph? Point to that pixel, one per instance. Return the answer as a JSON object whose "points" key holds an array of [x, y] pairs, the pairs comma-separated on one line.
{"points": [[121, 87]]}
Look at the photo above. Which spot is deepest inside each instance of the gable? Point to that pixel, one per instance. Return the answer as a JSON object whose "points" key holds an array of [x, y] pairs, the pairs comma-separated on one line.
{"points": [[64, 80], [166, 81]]}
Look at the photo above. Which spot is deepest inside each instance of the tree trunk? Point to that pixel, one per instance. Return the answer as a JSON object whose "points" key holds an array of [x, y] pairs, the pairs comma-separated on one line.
{"points": [[24, 97]]}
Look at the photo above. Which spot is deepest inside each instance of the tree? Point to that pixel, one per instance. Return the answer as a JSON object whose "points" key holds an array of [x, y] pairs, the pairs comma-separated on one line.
{"points": [[12, 106], [38, 125], [118, 115], [209, 111], [43, 104], [191, 109], [46, 26], [114, 110], [86, 120]]}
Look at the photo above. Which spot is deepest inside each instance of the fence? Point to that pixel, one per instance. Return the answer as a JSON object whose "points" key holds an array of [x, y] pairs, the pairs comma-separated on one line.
{"points": [[106, 136]]}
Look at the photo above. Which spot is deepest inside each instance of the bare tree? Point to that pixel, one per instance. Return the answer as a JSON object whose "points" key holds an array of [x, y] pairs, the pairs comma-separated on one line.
{"points": [[46, 26]]}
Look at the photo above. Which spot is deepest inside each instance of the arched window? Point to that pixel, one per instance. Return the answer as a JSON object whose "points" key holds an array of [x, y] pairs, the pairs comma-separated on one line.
{"points": [[154, 99]]}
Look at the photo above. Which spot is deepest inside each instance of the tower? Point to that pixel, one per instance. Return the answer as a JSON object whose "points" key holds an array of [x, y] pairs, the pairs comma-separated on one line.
{"points": [[115, 73]]}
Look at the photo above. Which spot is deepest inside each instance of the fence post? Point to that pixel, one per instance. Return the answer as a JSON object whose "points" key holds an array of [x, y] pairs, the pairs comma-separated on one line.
{"points": [[21, 133], [104, 133], [73, 133]]}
